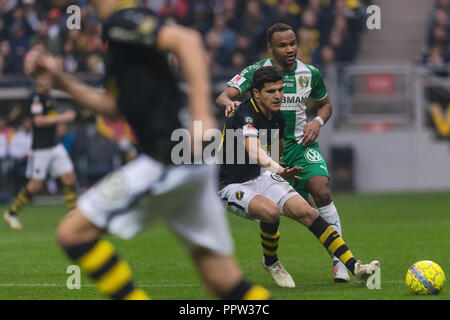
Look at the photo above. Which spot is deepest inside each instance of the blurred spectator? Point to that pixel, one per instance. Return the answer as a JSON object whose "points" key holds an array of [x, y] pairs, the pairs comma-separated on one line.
{"points": [[20, 145], [66, 137], [443, 4], [70, 62], [9, 61], [253, 27], [439, 36], [31, 14], [41, 36], [343, 47], [327, 57], [352, 11], [19, 151], [54, 32], [238, 62], [3, 138], [2, 65], [308, 36], [287, 11], [435, 57], [230, 14], [18, 32], [227, 25], [437, 50], [154, 5], [95, 64], [307, 45], [177, 10], [221, 41]]}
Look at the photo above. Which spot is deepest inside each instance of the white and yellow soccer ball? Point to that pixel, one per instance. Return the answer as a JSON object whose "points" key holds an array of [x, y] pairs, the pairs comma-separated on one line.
{"points": [[425, 277]]}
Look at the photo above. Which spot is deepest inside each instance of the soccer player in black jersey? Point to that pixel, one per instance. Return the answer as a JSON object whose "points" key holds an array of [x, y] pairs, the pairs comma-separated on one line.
{"points": [[264, 197], [48, 157], [141, 87]]}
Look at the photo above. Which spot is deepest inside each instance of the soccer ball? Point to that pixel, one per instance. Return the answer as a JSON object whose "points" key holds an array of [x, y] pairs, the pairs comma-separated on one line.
{"points": [[425, 277]]}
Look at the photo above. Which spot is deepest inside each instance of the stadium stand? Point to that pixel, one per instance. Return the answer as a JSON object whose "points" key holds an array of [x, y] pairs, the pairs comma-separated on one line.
{"points": [[437, 49], [233, 30]]}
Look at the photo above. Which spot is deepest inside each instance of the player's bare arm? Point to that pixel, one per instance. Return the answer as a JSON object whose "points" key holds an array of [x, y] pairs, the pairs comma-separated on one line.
{"points": [[255, 152], [51, 120], [226, 100], [187, 46], [312, 128], [39, 61]]}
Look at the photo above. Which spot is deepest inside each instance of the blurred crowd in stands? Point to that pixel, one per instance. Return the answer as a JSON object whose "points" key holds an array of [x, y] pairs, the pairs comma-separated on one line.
{"points": [[437, 48], [234, 33], [233, 30]]}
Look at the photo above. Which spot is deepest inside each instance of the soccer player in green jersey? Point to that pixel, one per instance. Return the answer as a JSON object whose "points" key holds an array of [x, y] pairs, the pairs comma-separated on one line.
{"points": [[301, 82]]}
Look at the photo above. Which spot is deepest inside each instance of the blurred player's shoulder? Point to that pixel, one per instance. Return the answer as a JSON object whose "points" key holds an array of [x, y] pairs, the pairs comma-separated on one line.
{"points": [[132, 25]]}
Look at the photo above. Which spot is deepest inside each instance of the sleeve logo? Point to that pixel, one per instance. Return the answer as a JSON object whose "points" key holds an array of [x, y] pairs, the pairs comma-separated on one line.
{"points": [[37, 107], [248, 129], [238, 80]]}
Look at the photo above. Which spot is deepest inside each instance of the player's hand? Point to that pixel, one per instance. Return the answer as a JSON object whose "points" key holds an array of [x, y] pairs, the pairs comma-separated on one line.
{"points": [[290, 173], [231, 106], [282, 163], [42, 66], [311, 132]]}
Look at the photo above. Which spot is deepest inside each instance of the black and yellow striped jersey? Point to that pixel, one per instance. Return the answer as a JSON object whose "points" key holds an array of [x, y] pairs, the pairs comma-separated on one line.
{"points": [[43, 137], [139, 76], [251, 120]]}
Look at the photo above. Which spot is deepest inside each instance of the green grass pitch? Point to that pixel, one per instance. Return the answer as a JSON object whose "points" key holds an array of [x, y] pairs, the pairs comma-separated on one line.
{"points": [[397, 229]]}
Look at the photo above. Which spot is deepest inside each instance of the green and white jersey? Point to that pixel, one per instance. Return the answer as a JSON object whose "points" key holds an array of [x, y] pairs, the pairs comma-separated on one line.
{"points": [[299, 84]]}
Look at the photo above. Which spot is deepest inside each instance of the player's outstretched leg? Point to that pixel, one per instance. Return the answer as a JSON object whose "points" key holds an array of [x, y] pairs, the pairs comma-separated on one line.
{"points": [[266, 210], [329, 214], [20, 201], [69, 190], [270, 235], [298, 209], [223, 277], [81, 241], [318, 186]]}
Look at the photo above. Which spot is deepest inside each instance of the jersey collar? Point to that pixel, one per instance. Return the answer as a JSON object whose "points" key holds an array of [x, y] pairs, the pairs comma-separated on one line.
{"points": [[254, 105], [258, 109], [284, 71]]}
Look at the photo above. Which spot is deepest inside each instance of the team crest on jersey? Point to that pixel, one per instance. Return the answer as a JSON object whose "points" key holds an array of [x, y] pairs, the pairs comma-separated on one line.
{"points": [[303, 81], [249, 120], [36, 106], [313, 156], [147, 25], [240, 195]]}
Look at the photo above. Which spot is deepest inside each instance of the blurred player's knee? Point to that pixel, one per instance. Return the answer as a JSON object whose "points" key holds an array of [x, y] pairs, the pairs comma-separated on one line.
{"points": [[75, 229]]}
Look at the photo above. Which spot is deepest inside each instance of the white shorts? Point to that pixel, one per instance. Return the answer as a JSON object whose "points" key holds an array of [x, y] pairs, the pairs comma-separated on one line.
{"points": [[237, 196], [54, 161], [133, 196]]}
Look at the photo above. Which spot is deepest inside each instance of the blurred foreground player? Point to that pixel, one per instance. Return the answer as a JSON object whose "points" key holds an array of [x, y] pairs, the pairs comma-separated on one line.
{"points": [[48, 157], [141, 87]]}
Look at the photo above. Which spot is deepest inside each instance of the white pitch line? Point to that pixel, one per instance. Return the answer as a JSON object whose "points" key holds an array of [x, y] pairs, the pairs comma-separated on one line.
{"points": [[92, 285], [175, 285]]}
